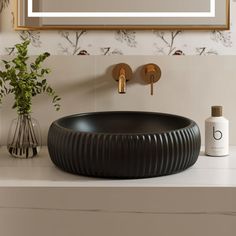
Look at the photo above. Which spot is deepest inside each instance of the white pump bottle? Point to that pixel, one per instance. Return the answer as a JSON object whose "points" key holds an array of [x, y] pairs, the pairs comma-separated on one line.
{"points": [[217, 133]]}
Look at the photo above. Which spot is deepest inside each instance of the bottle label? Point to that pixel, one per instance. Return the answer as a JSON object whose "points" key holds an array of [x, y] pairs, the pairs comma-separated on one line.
{"points": [[217, 139]]}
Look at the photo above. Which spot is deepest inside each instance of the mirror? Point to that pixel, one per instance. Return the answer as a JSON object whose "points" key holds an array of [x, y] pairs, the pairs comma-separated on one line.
{"points": [[121, 14]]}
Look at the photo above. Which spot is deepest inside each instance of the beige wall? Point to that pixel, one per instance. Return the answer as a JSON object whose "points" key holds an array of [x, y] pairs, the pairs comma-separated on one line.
{"points": [[188, 87]]}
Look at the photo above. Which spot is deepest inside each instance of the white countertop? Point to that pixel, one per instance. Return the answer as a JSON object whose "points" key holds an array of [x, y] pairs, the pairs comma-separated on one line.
{"points": [[41, 172]]}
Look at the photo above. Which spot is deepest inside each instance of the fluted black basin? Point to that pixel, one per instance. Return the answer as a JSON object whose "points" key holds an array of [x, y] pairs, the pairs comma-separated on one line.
{"points": [[124, 144]]}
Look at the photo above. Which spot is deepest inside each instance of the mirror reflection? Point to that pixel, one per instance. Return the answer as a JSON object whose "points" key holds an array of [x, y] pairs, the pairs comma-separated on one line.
{"points": [[123, 13]]}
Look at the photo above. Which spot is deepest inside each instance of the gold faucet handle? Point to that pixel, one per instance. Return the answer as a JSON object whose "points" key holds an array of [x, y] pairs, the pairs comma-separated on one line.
{"points": [[151, 73], [122, 73]]}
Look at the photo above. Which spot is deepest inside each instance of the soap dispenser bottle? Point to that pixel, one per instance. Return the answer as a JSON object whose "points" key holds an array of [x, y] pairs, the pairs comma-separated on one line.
{"points": [[217, 133]]}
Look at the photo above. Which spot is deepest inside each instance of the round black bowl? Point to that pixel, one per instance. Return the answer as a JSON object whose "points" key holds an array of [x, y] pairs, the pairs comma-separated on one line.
{"points": [[124, 144]]}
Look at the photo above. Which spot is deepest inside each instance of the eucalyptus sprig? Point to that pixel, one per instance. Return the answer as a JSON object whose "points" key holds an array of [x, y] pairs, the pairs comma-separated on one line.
{"points": [[25, 80]]}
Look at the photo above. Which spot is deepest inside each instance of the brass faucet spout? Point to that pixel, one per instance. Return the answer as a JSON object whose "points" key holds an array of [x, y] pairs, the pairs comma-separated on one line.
{"points": [[122, 73], [122, 81]]}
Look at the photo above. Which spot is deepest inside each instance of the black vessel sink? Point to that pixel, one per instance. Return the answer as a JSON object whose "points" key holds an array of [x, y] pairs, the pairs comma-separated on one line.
{"points": [[124, 144]]}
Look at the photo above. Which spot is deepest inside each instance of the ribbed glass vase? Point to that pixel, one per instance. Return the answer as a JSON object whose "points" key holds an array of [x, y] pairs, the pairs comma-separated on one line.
{"points": [[24, 138]]}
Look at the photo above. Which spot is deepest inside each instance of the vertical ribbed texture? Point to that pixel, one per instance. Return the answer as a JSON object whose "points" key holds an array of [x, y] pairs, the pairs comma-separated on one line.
{"points": [[123, 155]]}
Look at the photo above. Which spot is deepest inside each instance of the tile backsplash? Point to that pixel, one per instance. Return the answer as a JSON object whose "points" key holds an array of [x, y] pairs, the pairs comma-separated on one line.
{"points": [[120, 42]]}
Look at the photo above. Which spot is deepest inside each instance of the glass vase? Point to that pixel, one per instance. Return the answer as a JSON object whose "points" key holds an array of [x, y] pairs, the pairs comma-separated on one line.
{"points": [[24, 138]]}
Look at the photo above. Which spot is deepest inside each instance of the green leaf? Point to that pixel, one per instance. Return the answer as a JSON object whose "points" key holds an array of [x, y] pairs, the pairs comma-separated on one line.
{"points": [[7, 66], [46, 54], [5, 62], [2, 74], [49, 90]]}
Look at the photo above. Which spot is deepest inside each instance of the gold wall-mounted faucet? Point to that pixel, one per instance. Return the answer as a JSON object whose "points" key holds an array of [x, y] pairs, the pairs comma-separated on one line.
{"points": [[151, 73], [122, 73]]}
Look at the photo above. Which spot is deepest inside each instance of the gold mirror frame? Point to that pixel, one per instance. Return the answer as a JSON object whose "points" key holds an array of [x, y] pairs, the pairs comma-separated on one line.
{"points": [[124, 27]]}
